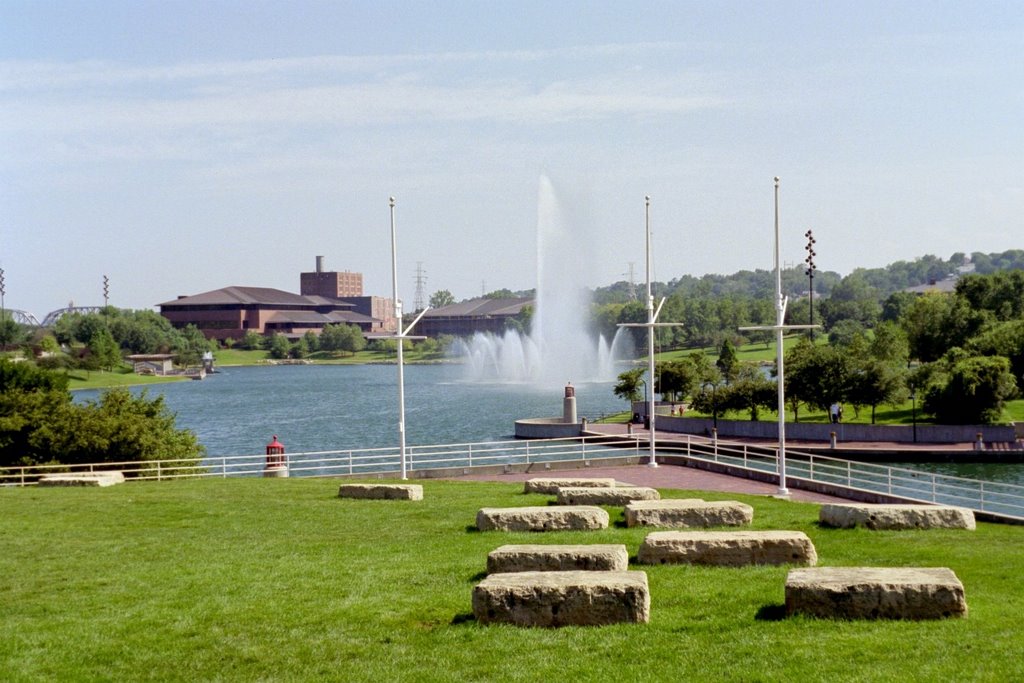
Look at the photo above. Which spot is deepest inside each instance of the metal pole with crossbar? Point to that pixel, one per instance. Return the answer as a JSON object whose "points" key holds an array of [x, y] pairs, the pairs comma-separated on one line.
{"points": [[651, 324], [779, 327]]}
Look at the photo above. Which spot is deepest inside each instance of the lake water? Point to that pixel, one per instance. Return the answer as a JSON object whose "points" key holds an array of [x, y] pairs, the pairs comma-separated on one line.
{"points": [[339, 407], [336, 407]]}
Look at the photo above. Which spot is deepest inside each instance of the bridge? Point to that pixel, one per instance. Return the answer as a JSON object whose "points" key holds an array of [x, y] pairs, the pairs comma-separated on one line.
{"points": [[22, 317], [53, 316]]}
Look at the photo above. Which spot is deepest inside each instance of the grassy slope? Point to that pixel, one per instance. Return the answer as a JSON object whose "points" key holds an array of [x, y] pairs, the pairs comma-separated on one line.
{"points": [[279, 579], [80, 379]]}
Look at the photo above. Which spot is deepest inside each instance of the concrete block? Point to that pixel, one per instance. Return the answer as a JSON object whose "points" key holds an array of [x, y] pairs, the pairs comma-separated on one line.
{"points": [[848, 516], [550, 485], [688, 513], [728, 548], [103, 478], [542, 518], [577, 598], [381, 491], [875, 593], [558, 558], [619, 495]]}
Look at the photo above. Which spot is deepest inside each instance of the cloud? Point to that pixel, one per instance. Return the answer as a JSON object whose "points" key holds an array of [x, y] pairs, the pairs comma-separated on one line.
{"points": [[478, 87]]}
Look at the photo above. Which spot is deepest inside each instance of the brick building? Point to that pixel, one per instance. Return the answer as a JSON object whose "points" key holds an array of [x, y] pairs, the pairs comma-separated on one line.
{"points": [[231, 312]]}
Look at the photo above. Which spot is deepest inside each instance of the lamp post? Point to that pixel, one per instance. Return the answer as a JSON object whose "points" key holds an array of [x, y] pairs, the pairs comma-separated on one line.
{"points": [[3, 311], [810, 272], [913, 411], [714, 402]]}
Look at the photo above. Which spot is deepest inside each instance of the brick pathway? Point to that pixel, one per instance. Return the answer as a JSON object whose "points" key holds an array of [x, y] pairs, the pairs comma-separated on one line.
{"points": [[665, 477]]}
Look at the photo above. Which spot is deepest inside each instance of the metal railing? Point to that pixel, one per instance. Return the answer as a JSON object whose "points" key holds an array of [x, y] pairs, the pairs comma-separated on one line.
{"points": [[996, 498], [365, 461], [1006, 500]]}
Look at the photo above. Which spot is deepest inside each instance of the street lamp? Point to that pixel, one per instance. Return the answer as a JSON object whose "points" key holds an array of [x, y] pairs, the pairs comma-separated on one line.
{"points": [[810, 272], [913, 410], [714, 402]]}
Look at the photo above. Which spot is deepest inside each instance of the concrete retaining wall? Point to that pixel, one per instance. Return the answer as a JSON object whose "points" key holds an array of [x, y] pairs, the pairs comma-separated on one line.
{"points": [[547, 428], [926, 433]]}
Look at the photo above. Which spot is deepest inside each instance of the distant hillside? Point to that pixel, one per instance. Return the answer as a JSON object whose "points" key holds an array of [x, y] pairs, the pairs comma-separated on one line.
{"points": [[761, 283]]}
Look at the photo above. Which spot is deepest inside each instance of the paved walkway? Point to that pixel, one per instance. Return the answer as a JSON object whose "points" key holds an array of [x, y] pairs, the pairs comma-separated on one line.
{"points": [[680, 477], [796, 444], [666, 477]]}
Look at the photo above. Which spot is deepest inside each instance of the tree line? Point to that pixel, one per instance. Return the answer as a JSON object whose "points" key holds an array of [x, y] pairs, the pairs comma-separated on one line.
{"points": [[960, 354]]}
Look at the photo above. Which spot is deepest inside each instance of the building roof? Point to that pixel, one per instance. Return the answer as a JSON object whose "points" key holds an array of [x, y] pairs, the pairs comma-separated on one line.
{"points": [[944, 286], [298, 318], [228, 296], [479, 308], [350, 317]]}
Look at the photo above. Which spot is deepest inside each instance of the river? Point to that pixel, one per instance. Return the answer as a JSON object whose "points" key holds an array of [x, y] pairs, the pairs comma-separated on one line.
{"points": [[336, 407]]}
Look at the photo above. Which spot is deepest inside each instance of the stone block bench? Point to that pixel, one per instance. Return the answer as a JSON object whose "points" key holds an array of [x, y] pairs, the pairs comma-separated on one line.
{"points": [[577, 598], [550, 485], [82, 479], [542, 518], [847, 516], [558, 558], [619, 495], [688, 513], [875, 593], [381, 491], [727, 548]]}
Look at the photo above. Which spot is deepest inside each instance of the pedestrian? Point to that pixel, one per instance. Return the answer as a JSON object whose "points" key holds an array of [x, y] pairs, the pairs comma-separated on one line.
{"points": [[834, 412]]}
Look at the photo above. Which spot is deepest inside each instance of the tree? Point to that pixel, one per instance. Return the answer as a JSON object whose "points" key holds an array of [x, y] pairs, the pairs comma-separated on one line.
{"points": [[675, 380], [352, 339], [975, 392], [890, 343], [312, 341], [191, 346], [816, 375], [40, 423], [280, 348], [251, 341], [104, 351], [1002, 339], [441, 298], [727, 363], [749, 390], [628, 385], [300, 349], [873, 382], [119, 426], [11, 333]]}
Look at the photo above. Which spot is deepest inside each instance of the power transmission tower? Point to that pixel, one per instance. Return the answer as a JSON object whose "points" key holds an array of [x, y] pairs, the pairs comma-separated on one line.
{"points": [[632, 282], [106, 291], [421, 281]]}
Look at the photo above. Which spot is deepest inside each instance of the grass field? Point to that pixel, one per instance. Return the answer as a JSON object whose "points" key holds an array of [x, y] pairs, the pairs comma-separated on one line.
{"points": [[252, 579], [124, 377]]}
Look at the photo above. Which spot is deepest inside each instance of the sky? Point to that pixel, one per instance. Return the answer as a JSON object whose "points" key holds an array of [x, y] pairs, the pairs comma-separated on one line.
{"points": [[182, 146]]}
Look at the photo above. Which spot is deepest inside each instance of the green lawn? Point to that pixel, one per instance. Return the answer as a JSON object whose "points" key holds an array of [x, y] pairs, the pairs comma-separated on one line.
{"points": [[253, 579], [101, 379]]}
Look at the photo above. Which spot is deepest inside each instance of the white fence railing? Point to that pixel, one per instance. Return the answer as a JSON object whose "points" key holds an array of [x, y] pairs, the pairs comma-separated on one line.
{"points": [[368, 461], [995, 498]]}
